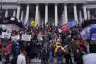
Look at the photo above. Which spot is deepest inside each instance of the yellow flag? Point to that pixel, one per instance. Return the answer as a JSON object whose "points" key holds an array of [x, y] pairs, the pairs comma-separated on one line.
{"points": [[33, 23]]}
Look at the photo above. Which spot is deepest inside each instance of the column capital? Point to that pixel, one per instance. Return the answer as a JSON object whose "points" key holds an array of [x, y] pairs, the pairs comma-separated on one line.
{"points": [[84, 6], [56, 3], [27, 5], [65, 4], [46, 4], [75, 4], [37, 4]]}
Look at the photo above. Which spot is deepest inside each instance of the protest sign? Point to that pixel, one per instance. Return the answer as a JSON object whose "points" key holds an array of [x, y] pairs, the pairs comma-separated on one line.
{"points": [[26, 37]]}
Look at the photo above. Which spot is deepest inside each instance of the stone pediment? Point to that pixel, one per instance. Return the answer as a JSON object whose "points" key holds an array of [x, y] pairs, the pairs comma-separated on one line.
{"points": [[51, 1], [47, 1]]}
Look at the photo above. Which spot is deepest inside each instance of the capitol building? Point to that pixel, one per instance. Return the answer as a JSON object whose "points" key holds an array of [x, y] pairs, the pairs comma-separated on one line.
{"points": [[56, 12]]}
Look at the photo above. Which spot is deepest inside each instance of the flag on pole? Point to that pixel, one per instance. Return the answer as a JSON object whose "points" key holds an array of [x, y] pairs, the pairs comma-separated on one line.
{"points": [[33, 23], [72, 24], [65, 28]]}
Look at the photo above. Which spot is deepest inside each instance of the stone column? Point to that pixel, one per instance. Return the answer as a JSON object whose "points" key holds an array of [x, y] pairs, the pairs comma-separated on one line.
{"points": [[6, 13], [88, 12], [14, 13], [56, 15], [46, 14], [27, 15], [62, 18], [75, 14], [85, 12], [18, 12], [22, 13], [37, 19], [65, 14], [80, 17]]}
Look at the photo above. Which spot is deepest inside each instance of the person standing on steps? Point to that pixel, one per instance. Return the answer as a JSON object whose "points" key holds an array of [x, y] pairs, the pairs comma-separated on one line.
{"points": [[22, 57]]}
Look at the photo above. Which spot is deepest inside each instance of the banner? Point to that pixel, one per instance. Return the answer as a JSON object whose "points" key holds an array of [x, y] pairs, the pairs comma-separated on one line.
{"points": [[26, 37], [16, 37], [6, 35]]}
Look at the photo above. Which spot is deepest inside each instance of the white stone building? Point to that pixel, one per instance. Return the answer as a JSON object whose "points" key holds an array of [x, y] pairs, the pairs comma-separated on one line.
{"points": [[49, 11]]}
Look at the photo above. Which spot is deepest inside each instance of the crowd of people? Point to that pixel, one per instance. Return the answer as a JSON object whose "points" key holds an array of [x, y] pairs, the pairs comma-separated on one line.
{"points": [[49, 43]]}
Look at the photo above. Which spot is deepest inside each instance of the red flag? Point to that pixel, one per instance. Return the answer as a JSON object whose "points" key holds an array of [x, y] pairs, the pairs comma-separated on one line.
{"points": [[65, 28]]}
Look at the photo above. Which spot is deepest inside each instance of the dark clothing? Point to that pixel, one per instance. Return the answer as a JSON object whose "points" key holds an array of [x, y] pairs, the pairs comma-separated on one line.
{"points": [[68, 58], [44, 57], [78, 57], [60, 56]]}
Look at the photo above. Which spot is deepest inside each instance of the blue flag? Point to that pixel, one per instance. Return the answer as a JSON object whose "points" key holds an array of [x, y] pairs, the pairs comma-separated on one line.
{"points": [[93, 33], [72, 24]]}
